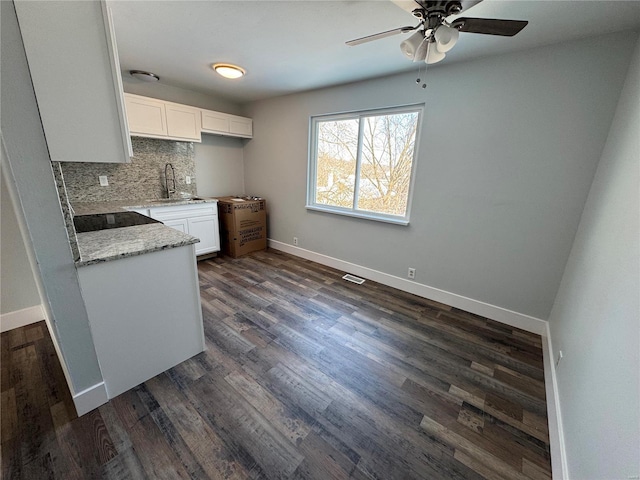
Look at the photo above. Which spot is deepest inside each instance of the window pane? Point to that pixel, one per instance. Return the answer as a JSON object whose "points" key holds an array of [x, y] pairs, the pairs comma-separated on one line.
{"points": [[336, 166], [387, 156]]}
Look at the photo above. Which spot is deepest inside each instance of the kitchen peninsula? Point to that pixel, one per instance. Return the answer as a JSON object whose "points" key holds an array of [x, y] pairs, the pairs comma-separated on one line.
{"points": [[140, 287], [184, 216]]}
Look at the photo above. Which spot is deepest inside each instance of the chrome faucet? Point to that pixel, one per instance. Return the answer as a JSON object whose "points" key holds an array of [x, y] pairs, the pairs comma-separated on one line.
{"points": [[173, 179]]}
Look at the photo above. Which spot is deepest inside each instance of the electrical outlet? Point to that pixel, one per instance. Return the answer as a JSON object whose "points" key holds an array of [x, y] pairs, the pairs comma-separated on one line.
{"points": [[560, 357], [411, 273], [104, 182], [187, 180], [295, 240]]}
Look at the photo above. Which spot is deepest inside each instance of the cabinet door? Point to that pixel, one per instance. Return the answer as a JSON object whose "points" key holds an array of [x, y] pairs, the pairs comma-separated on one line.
{"points": [[74, 69], [243, 127], [206, 229], [215, 122], [183, 122], [178, 224], [146, 115]]}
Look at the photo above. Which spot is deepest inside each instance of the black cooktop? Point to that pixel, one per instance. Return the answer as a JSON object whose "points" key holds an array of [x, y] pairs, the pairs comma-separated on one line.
{"points": [[102, 221]]}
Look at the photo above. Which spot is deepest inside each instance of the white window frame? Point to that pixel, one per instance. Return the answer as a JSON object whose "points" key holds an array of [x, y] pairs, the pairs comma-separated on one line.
{"points": [[313, 161]]}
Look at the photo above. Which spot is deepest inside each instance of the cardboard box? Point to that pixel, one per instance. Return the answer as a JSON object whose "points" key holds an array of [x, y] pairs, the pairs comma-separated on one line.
{"points": [[243, 225]]}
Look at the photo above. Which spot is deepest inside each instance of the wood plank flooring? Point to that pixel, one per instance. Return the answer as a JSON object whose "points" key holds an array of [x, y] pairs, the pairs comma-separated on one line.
{"points": [[305, 376]]}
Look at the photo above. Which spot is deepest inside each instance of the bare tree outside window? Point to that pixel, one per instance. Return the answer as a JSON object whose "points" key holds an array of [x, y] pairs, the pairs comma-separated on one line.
{"points": [[364, 163], [336, 164], [387, 158]]}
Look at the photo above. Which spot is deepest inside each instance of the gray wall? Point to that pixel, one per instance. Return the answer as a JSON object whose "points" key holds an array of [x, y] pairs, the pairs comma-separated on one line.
{"points": [[220, 166], [509, 147], [28, 159], [595, 320], [17, 286]]}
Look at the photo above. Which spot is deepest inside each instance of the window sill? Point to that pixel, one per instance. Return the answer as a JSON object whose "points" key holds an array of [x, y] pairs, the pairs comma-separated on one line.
{"points": [[363, 215]]}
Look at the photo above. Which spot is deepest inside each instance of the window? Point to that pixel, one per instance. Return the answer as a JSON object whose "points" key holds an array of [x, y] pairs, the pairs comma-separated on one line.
{"points": [[361, 164]]}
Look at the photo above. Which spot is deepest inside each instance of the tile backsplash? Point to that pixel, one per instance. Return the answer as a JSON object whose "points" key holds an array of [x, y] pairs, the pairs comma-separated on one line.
{"points": [[143, 178], [66, 210]]}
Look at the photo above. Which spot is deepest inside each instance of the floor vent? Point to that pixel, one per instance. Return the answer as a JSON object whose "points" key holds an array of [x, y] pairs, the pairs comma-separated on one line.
{"points": [[352, 278]]}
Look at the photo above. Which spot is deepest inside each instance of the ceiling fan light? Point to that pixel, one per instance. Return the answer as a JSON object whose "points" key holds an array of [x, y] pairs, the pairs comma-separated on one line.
{"points": [[446, 37], [229, 71], [433, 54], [421, 52], [411, 45]]}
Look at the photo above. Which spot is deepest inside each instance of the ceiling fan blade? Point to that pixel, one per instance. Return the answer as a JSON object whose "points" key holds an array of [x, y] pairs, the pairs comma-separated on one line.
{"points": [[467, 4], [489, 26], [407, 5], [376, 36], [431, 5]]}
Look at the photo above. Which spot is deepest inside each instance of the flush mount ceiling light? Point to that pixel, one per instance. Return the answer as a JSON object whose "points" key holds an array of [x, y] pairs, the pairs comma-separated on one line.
{"points": [[228, 70], [144, 76]]}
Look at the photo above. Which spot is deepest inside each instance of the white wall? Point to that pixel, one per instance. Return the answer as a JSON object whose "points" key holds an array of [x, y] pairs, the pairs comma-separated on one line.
{"points": [[17, 287], [219, 166], [595, 320], [509, 147]]}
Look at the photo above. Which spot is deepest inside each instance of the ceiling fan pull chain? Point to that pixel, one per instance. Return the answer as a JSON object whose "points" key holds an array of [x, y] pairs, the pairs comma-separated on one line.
{"points": [[424, 85], [424, 74]]}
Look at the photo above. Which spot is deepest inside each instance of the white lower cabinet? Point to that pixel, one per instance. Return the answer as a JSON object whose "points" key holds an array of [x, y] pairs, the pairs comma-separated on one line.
{"points": [[144, 313], [199, 220], [202, 227], [180, 224]]}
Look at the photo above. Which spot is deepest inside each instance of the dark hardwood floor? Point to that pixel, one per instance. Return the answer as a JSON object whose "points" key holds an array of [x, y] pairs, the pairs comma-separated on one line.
{"points": [[305, 376]]}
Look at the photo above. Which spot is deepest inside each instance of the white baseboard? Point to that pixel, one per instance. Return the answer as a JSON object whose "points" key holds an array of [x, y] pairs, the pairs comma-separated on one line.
{"points": [[554, 417], [499, 314], [84, 401], [91, 398], [21, 318]]}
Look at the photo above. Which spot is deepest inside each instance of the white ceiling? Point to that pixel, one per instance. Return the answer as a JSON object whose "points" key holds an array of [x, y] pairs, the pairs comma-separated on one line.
{"points": [[289, 46]]}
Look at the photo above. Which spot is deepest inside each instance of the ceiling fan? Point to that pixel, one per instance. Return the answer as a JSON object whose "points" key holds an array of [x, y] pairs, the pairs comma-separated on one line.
{"points": [[435, 35]]}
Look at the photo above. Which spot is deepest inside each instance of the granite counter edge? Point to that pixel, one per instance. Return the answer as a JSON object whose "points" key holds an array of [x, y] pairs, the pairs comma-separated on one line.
{"points": [[115, 244]]}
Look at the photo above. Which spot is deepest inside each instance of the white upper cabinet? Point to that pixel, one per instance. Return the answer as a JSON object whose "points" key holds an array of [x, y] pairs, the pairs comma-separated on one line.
{"points": [[74, 67], [240, 126], [183, 121], [146, 115], [153, 118], [225, 124], [215, 122]]}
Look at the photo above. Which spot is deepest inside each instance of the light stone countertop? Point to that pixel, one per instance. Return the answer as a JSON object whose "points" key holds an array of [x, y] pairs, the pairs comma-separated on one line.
{"points": [[116, 243], [89, 208]]}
